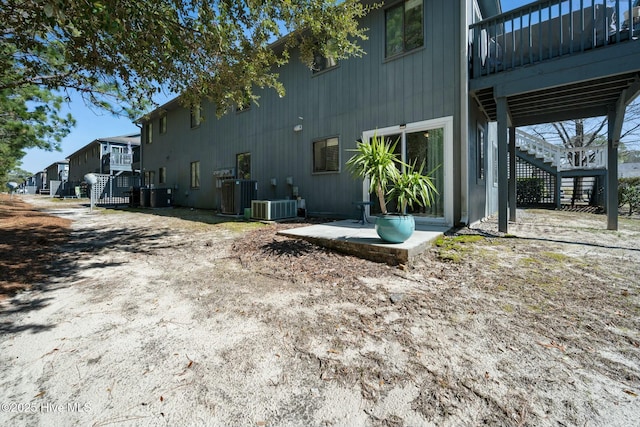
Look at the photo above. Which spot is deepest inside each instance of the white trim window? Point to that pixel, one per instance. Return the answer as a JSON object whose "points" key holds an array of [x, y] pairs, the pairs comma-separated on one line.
{"points": [[149, 178], [162, 175], [195, 116], [243, 165], [494, 162], [480, 155], [323, 63]]}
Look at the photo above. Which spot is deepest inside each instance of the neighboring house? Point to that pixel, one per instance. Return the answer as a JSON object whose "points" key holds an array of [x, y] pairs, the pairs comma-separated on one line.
{"points": [[54, 175], [117, 156], [33, 184], [111, 155], [629, 170], [450, 81], [411, 86]]}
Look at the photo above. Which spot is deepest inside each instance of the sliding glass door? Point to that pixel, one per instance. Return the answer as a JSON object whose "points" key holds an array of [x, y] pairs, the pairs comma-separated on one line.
{"points": [[427, 147], [427, 143]]}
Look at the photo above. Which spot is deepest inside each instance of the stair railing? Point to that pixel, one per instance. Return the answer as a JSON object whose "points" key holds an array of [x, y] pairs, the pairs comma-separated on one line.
{"points": [[562, 158]]}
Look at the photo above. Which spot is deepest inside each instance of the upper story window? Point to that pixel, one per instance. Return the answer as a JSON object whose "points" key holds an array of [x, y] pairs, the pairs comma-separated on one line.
{"points": [[195, 175], [321, 63], [326, 155], [148, 133], [243, 107], [404, 27], [163, 124], [196, 117]]}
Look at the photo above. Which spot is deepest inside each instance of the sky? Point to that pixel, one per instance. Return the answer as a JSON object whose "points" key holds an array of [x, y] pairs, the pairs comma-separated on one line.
{"points": [[91, 125], [508, 5]]}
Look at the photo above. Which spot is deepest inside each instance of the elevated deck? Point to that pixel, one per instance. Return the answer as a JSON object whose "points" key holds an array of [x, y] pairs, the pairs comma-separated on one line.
{"points": [[556, 60]]}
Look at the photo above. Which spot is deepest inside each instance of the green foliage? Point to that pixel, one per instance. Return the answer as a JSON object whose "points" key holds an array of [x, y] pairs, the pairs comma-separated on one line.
{"points": [[16, 175], [29, 118], [453, 248], [412, 186], [529, 190], [118, 54], [378, 161], [629, 194], [626, 155]]}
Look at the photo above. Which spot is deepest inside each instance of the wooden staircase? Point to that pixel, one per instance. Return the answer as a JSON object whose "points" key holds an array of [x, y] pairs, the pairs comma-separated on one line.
{"points": [[555, 159], [574, 169]]}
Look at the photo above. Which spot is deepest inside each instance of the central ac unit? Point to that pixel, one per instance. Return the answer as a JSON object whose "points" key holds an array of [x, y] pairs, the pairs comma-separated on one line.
{"points": [[237, 195], [274, 209]]}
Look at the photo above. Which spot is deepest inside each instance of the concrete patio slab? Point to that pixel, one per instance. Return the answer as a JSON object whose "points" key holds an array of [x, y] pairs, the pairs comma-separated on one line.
{"points": [[355, 238]]}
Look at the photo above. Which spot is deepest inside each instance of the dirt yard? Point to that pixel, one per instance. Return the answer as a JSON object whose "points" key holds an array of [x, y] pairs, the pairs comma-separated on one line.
{"points": [[177, 317]]}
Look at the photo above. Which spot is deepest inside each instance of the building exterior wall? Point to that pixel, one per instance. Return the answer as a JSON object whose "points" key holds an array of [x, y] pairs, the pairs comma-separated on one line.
{"points": [[477, 170], [92, 159], [359, 95], [628, 170], [84, 161], [35, 181], [53, 172]]}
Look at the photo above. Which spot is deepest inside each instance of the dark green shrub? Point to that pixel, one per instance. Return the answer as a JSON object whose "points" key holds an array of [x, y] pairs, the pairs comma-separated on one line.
{"points": [[629, 193], [529, 190]]}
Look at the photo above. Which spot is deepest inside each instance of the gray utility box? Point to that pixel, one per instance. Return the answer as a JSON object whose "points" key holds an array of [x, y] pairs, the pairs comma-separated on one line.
{"points": [[145, 197], [237, 195], [160, 197]]}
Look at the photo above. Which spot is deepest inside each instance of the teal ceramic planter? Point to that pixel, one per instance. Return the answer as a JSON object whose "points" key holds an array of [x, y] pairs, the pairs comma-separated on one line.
{"points": [[395, 228]]}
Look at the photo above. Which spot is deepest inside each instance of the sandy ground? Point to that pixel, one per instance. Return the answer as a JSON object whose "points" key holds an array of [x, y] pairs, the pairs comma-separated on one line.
{"points": [[171, 317]]}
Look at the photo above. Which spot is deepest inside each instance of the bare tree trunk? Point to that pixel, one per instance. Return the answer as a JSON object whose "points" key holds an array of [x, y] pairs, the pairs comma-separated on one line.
{"points": [[577, 159]]}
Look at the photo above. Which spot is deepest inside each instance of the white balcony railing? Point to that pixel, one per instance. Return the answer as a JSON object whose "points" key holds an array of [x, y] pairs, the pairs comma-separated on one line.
{"points": [[121, 159], [562, 158]]}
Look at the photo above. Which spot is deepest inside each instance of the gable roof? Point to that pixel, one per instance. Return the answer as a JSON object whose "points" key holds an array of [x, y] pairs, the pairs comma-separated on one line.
{"points": [[59, 162], [133, 139]]}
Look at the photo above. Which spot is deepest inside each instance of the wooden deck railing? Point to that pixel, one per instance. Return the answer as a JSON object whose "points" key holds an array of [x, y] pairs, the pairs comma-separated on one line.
{"points": [[549, 29]]}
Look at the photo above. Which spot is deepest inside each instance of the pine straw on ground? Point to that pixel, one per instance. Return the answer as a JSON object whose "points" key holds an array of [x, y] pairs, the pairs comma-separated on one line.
{"points": [[298, 260], [493, 304], [28, 244], [484, 328]]}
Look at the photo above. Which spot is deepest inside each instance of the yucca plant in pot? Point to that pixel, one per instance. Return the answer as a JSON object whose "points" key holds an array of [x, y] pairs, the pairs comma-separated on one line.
{"points": [[378, 161]]}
